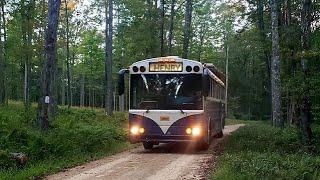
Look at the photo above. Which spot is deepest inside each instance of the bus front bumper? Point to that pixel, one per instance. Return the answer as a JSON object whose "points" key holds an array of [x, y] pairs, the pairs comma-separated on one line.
{"points": [[165, 138]]}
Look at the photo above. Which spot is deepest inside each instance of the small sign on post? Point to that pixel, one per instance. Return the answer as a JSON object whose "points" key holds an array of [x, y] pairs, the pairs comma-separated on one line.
{"points": [[47, 100]]}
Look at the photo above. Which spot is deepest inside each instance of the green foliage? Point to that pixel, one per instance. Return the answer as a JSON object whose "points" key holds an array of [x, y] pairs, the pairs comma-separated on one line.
{"points": [[259, 151], [249, 91], [6, 160], [76, 133]]}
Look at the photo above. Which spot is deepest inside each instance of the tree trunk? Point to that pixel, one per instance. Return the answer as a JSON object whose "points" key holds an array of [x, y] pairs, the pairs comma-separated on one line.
{"points": [[202, 33], [68, 55], [91, 78], [162, 28], [63, 89], [108, 62], [261, 27], [305, 107], [2, 64], [71, 77], [151, 49], [26, 64], [187, 28], [3, 58], [173, 2], [82, 91], [46, 101], [287, 13], [292, 117], [275, 68]]}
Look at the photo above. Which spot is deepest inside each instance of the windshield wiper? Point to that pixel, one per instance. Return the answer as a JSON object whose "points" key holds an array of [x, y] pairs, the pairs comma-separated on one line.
{"points": [[147, 111], [181, 111]]}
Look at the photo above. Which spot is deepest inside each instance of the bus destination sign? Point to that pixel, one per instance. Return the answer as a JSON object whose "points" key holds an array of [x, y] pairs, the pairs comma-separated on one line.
{"points": [[165, 67]]}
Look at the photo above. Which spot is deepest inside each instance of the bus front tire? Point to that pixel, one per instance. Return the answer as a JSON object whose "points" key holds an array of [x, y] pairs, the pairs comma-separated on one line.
{"points": [[147, 145], [204, 146], [219, 135]]}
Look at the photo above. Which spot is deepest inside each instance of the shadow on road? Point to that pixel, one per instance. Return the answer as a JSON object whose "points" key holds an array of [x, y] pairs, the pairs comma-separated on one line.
{"points": [[179, 148]]}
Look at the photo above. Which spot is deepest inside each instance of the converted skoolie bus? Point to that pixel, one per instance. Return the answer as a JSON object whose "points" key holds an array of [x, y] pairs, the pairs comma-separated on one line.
{"points": [[174, 100]]}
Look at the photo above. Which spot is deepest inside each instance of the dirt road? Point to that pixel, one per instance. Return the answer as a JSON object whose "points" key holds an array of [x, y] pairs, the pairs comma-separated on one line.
{"points": [[164, 162]]}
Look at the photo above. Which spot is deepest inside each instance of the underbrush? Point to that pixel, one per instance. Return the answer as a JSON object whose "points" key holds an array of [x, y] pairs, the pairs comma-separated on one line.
{"points": [[259, 151], [76, 136]]}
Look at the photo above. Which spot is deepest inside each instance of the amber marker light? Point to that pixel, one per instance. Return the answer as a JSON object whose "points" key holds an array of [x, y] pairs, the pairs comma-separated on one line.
{"points": [[188, 130], [141, 130], [196, 131], [134, 130]]}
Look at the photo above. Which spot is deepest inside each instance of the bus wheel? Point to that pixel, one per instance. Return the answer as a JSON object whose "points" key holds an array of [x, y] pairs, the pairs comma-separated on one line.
{"points": [[219, 135], [205, 145], [147, 145]]}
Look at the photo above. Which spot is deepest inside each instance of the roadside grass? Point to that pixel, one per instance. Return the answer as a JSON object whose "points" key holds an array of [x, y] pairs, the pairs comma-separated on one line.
{"points": [[76, 136], [260, 151]]}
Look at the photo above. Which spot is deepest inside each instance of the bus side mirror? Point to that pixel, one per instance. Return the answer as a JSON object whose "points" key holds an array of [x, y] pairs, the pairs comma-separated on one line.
{"points": [[121, 87], [205, 85]]}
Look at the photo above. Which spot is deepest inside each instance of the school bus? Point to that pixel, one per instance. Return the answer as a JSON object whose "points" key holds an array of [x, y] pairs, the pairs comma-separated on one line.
{"points": [[174, 100]]}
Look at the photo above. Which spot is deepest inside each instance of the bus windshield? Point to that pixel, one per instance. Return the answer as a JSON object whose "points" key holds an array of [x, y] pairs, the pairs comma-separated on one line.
{"points": [[166, 91]]}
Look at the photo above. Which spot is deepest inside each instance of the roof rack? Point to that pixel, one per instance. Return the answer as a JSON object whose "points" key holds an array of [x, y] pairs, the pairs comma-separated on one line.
{"points": [[215, 70]]}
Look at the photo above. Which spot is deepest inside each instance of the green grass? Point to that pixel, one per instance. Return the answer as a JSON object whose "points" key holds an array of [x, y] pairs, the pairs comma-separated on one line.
{"points": [[76, 136], [259, 151]]}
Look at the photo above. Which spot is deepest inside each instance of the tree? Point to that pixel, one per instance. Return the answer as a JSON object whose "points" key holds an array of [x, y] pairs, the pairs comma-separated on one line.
{"points": [[27, 14], [173, 3], [305, 112], [187, 28], [3, 57], [261, 27], [69, 93], [275, 67], [108, 64], [162, 12], [47, 100], [2, 66]]}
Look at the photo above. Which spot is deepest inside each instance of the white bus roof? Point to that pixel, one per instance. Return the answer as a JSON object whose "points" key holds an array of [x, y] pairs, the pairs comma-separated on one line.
{"points": [[174, 60]]}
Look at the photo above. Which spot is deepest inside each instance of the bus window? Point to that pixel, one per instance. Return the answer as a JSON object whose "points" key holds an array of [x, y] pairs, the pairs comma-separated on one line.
{"points": [[166, 91]]}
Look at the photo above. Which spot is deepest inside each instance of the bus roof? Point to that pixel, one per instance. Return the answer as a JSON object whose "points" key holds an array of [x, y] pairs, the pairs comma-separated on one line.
{"points": [[218, 76], [165, 65], [218, 73], [177, 58]]}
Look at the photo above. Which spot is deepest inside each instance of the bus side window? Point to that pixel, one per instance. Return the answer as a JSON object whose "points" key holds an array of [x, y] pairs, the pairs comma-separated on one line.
{"points": [[205, 85]]}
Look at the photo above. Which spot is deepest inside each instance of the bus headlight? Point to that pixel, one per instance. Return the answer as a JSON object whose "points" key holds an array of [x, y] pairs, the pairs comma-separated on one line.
{"points": [[134, 130], [196, 131]]}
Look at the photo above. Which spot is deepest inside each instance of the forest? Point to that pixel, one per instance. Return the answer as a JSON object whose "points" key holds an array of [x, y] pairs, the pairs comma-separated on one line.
{"points": [[271, 49], [59, 63]]}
